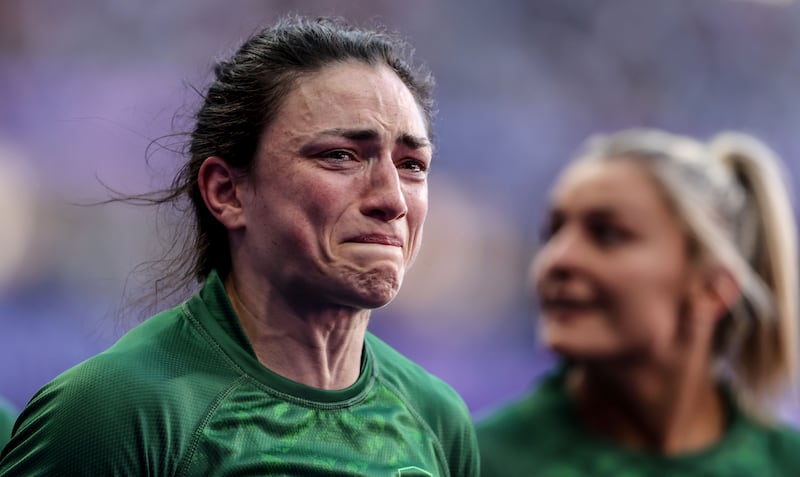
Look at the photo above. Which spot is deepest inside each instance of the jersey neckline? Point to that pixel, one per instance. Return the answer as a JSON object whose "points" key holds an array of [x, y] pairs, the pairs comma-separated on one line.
{"points": [[211, 309]]}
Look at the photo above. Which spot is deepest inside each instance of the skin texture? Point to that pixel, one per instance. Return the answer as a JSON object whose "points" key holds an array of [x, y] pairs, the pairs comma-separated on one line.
{"points": [[328, 221], [623, 297]]}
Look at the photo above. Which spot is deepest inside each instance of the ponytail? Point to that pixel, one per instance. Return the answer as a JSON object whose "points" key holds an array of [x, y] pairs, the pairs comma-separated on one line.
{"points": [[766, 357]]}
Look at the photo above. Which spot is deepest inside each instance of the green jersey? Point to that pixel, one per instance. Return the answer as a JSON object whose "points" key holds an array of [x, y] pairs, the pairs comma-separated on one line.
{"points": [[7, 417], [183, 394], [540, 435]]}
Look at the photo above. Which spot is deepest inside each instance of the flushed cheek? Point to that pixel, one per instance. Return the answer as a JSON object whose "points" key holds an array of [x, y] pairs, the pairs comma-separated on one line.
{"points": [[323, 206], [312, 232]]}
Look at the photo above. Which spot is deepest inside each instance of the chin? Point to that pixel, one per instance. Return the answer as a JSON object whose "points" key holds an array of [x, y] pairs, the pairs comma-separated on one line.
{"points": [[579, 346], [367, 299], [375, 289], [366, 288], [377, 297]]}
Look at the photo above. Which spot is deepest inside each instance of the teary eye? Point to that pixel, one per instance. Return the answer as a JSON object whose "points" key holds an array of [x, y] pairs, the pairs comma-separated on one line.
{"points": [[338, 155], [414, 165]]}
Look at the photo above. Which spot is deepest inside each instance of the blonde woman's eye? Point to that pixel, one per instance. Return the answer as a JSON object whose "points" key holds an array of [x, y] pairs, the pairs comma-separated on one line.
{"points": [[607, 235]]}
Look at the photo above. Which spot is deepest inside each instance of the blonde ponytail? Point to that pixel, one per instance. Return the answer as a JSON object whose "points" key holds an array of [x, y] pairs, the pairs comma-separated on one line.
{"points": [[766, 357]]}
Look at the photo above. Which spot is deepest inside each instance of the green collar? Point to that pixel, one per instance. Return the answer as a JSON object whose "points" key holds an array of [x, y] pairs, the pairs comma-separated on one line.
{"points": [[212, 310]]}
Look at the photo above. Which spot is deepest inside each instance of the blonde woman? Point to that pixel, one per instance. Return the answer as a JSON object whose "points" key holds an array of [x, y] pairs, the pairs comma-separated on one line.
{"points": [[667, 282]]}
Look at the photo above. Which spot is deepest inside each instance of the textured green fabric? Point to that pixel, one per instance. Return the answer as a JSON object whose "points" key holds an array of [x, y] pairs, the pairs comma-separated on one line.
{"points": [[183, 394], [8, 414], [539, 435]]}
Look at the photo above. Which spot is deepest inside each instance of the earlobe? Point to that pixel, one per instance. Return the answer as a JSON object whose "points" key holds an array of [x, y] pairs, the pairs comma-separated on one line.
{"points": [[726, 288], [217, 182], [722, 291]]}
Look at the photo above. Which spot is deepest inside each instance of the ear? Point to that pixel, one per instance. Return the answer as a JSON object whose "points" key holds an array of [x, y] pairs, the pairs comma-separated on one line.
{"points": [[716, 291], [217, 182]]}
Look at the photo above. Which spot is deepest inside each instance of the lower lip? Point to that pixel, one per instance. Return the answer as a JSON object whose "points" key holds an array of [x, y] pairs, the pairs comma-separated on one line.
{"points": [[377, 242], [376, 246]]}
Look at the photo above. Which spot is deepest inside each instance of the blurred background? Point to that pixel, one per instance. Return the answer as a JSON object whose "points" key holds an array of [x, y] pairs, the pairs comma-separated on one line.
{"points": [[86, 85]]}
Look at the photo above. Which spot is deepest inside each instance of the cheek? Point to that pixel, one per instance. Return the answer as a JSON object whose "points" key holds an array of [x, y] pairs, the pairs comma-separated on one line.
{"points": [[319, 203], [649, 299], [417, 203], [297, 215]]}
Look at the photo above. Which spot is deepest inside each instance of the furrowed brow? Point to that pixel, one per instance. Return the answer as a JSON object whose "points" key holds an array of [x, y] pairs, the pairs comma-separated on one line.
{"points": [[353, 134], [364, 135], [413, 142]]}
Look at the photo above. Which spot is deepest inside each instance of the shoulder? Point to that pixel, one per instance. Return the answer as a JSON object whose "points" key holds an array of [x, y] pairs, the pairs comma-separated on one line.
{"points": [[755, 445], [433, 401], [142, 397], [510, 423], [526, 431], [545, 401], [163, 358], [426, 392], [783, 446]]}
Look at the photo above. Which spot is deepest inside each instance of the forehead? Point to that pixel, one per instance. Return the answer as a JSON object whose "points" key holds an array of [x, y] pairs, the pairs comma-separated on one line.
{"points": [[351, 94], [618, 185]]}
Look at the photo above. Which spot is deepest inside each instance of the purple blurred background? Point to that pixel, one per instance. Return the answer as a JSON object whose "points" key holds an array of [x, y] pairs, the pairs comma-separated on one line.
{"points": [[86, 85]]}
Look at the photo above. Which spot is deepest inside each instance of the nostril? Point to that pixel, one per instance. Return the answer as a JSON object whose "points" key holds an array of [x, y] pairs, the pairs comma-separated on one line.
{"points": [[386, 206], [386, 214], [560, 273]]}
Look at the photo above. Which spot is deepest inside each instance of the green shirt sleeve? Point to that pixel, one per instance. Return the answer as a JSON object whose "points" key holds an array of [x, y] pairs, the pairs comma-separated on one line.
{"points": [[90, 421]]}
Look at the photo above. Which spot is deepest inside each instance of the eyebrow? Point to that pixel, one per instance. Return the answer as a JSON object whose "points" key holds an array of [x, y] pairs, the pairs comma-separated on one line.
{"points": [[408, 140], [597, 213], [602, 213]]}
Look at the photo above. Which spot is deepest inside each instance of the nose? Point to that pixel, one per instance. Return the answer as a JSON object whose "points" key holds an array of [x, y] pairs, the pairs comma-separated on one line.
{"points": [[384, 198], [559, 257]]}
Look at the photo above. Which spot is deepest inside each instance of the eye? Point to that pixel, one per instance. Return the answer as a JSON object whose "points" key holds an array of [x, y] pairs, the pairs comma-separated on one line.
{"points": [[339, 159], [607, 234], [414, 165], [338, 155]]}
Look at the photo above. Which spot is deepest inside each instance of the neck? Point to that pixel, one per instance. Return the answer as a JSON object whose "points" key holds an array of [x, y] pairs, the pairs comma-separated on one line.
{"points": [[317, 346], [668, 411]]}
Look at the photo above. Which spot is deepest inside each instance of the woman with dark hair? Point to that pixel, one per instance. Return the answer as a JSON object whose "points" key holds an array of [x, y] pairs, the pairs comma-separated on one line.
{"points": [[667, 282], [307, 179]]}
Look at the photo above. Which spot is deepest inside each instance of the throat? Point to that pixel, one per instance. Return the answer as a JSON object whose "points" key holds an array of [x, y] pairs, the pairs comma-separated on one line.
{"points": [[321, 349], [670, 419], [321, 369]]}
